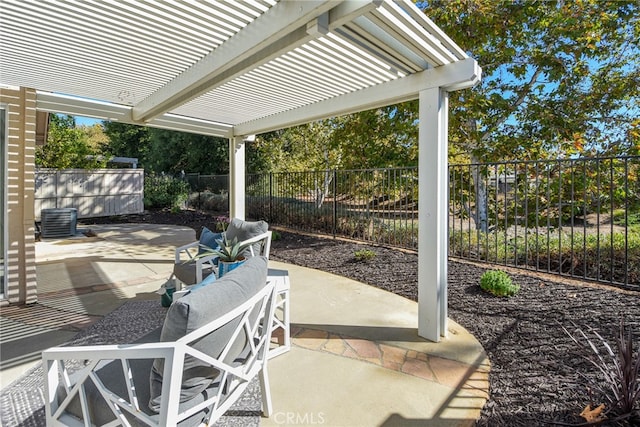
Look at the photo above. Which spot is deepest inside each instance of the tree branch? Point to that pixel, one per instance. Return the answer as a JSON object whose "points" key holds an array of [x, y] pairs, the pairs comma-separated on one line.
{"points": [[523, 95]]}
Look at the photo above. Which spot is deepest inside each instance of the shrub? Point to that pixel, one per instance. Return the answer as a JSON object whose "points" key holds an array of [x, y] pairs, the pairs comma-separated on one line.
{"points": [[364, 255], [498, 283], [164, 192], [208, 201]]}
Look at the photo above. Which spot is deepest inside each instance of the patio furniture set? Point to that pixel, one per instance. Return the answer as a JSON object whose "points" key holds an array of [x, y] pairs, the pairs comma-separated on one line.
{"points": [[217, 336]]}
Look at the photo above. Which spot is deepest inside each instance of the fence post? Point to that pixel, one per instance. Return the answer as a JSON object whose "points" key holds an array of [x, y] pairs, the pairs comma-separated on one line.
{"points": [[335, 203], [270, 196], [57, 187]]}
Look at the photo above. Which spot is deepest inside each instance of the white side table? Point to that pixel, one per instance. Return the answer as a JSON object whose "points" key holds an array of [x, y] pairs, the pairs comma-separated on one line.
{"points": [[281, 317]]}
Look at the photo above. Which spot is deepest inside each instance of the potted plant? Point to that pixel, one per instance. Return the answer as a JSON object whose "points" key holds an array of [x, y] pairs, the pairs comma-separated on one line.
{"points": [[229, 254]]}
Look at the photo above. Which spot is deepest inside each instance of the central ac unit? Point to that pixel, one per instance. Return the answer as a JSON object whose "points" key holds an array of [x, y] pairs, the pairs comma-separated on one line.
{"points": [[59, 222]]}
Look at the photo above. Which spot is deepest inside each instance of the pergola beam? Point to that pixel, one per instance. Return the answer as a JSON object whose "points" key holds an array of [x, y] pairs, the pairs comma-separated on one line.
{"points": [[56, 103], [454, 76], [282, 28]]}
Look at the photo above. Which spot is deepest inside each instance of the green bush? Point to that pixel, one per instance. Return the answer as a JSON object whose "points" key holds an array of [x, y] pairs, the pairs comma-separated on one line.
{"points": [[498, 283], [364, 255], [208, 201], [164, 192]]}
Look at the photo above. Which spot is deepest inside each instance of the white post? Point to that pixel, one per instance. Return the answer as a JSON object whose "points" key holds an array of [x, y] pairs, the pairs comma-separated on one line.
{"points": [[236, 178], [433, 214]]}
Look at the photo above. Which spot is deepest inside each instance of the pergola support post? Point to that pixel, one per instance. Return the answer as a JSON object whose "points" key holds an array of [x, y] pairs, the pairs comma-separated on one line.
{"points": [[237, 170], [433, 213]]}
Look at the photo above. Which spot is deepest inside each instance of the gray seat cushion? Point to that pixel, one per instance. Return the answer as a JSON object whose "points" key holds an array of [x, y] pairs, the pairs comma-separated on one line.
{"points": [[195, 310], [243, 230]]}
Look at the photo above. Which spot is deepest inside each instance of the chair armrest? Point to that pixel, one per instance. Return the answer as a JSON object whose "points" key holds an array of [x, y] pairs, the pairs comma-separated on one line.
{"points": [[201, 263], [93, 358], [251, 319], [185, 249]]}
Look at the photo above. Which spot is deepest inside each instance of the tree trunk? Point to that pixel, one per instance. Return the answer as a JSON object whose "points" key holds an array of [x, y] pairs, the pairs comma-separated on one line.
{"points": [[480, 186], [322, 189]]}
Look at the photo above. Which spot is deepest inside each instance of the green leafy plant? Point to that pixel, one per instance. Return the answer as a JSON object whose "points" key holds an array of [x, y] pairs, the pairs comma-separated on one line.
{"points": [[228, 251], [498, 283], [364, 255], [619, 379], [161, 191]]}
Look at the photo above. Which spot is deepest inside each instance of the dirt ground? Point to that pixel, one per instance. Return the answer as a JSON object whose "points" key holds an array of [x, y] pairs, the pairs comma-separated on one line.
{"points": [[539, 376]]}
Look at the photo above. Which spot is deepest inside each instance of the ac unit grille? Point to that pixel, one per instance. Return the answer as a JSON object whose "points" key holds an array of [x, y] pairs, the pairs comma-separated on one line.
{"points": [[59, 222]]}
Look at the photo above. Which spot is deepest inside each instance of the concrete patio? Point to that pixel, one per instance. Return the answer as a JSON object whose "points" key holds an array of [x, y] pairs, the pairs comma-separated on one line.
{"points": [[356, 358]]}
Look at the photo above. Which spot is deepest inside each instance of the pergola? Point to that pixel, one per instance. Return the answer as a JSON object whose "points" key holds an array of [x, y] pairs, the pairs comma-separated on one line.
{"points": [[238, 68]]}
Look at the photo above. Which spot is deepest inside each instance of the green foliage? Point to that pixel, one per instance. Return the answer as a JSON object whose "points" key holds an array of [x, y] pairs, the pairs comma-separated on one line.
{"points": [[631, 220], [164, 192], [559, 78], [549, 193], [617, 371], [498, 283], [67, 147], [174, 152], [161, 150], [211, 202], [362, 255], [599, 256], [126, 140], [228, 251]]}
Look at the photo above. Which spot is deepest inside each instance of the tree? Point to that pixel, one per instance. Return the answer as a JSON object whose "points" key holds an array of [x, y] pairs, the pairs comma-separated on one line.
{"points": [[126, 140], [96, 138], [67, 146], [381, 138], [310, 147], [162, 150], [174, 152], [560, 79]]}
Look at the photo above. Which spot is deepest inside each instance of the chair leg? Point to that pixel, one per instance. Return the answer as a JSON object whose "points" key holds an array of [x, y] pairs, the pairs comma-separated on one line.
{"points": [[267, 408]]}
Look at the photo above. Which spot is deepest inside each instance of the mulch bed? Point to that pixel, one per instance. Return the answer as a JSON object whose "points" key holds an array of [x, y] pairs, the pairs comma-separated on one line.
{"points": [[539, 376]]}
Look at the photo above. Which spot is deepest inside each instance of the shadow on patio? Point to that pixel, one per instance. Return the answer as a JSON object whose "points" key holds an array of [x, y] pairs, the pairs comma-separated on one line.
{"points": [[356, 358]]}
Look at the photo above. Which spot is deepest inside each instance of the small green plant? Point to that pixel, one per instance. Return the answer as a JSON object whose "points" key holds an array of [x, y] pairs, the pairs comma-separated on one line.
{"points": [[275, 235], [229, 251], [364, 255], [498, 283]]}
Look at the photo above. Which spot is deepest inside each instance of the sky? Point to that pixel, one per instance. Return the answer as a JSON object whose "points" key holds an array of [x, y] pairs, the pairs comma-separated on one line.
{"points": [[86, 121]]}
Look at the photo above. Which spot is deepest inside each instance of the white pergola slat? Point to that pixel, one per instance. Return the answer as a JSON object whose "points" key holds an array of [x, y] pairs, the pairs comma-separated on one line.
{"points": [[241, 67]]}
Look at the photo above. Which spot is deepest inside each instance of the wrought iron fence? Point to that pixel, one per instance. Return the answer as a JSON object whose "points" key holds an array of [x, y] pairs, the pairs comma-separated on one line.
{"points": [[373, 205], [573, 217]]}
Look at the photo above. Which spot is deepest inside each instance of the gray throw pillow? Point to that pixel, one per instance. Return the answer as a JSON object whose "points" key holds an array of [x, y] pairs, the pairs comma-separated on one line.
{"points": [[196, 310], [243, 230]]}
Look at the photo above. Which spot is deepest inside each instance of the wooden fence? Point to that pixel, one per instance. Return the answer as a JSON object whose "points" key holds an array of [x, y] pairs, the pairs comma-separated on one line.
{"points": [[94, 193]]}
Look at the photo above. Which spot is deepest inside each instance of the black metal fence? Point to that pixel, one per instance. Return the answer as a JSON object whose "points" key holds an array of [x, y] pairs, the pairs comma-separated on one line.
{"points": [[574, 217], [375, 205]]}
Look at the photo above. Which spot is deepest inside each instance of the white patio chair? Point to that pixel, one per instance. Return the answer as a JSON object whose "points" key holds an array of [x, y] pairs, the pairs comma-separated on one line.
{"points": [[220, 357], [190, 269]]}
